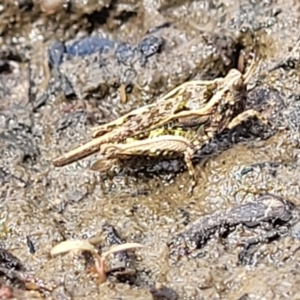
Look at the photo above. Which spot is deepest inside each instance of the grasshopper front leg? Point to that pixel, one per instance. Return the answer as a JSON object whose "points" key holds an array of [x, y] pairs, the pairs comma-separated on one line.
{"points": [[162, 145], [246, 115]]}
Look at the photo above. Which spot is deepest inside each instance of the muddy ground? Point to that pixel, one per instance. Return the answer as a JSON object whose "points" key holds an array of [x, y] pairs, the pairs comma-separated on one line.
{"points": [[146, 202]]}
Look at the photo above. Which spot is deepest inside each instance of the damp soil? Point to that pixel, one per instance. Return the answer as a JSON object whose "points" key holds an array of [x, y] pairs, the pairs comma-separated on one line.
{"points": [[46, 110]]}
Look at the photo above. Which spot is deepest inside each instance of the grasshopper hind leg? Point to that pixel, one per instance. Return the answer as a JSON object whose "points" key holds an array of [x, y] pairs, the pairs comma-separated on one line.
{"points": [[162, 145]]}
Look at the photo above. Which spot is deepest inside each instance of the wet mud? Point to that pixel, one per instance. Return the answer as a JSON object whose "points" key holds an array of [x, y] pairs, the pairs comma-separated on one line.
{"points": [[66, 66]]}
